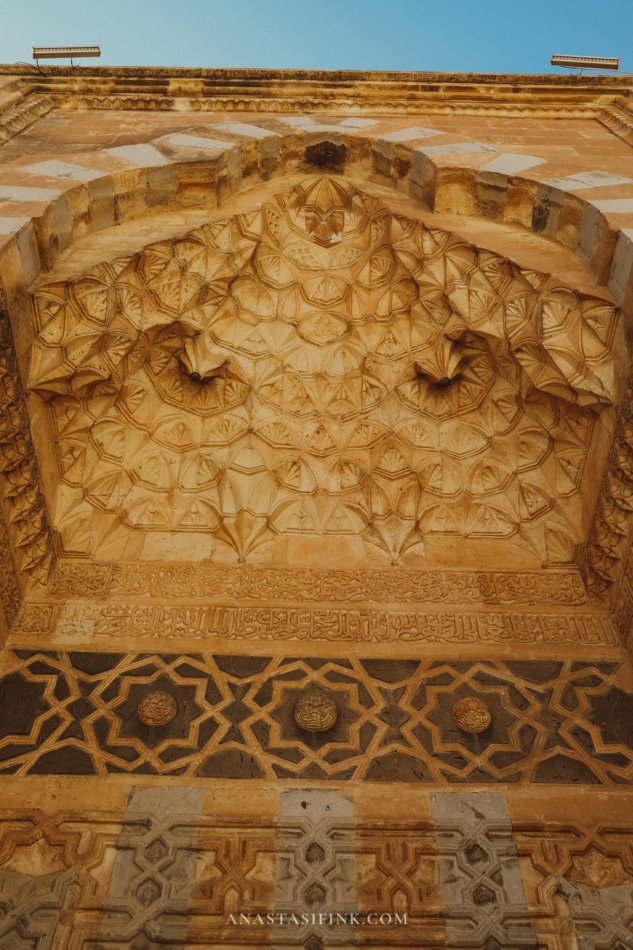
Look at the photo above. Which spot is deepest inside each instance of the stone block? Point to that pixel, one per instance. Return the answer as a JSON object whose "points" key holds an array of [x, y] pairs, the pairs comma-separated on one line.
{"points": [[490, 194], [144, 155], [589, 227], [54, 168], [246, 129], [512, 163], [185, 140], [546, 211], [26, 193], [585, 180], [411, 134], [614, 205], [458, 148], [11, 225], [620, 277]]}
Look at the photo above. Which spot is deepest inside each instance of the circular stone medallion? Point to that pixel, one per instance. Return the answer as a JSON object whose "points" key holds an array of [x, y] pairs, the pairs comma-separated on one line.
{"points": [[315, 712], [157, 709], [472, 714]]}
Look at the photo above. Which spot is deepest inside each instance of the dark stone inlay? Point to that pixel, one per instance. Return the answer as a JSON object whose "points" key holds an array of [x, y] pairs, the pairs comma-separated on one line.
{"points": [[569, 699], [80, 708], [125, 752], [43, 669], [212, 694], [398, 767], [313, 771], [563, 770], [65, 761], [73, 731], [206, 731], [603, 667], [233, 734], [612, 712], [290, 675], [553, 721], [265, 694], [335, 677], [192, 672], [535, 671], [391, 671], [49, 726], [14, 749], [242, 666], [461, 666], [21, 702], [61, 691], [527, 699], [95, 663], [440, 679], [230, 764]]}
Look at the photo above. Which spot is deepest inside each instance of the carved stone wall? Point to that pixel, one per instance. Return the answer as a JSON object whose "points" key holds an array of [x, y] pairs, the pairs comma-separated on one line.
{"points": [[76, 579], [323, 367], [10, 591], [234, 716], [82, 623], [609, 541], [27, 554], [330, 656], [161, 869]]}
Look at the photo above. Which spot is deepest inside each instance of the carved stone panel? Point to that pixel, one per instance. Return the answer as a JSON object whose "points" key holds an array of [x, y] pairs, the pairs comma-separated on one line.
{"points": [[480, 878], [233, 717], [25, 543], [321, 367], [78, 623]]}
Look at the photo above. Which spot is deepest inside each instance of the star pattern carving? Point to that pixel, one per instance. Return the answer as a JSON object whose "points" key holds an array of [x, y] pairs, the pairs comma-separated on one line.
{"points": [[321, 366]]}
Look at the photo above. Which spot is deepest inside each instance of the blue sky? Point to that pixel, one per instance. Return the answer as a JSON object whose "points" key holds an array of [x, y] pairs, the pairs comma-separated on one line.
{"points": [[450, 35]]}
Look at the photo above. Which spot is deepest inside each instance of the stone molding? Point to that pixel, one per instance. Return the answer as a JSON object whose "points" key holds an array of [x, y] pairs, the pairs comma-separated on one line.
{"points": [[612, 117], [301, 90], [24, 113]]}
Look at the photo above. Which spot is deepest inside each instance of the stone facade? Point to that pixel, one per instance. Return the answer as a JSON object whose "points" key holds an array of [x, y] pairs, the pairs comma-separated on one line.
{"points": [[316, 442]]}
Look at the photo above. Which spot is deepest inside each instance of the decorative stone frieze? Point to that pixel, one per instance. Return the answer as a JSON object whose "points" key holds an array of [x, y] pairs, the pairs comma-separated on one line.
{"points": [[377, 720], [609, 541], [22, 501], [160, 868], [80, 622], [128, 580]]}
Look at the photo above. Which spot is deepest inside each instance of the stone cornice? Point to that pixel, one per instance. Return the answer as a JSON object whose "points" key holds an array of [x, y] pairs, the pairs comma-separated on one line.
{"points": [[225, 74], [31, 94], [262, 84]]}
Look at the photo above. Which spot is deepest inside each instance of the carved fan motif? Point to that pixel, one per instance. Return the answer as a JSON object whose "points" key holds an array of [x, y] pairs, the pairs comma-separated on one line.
{"points": [[322, 365]]}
